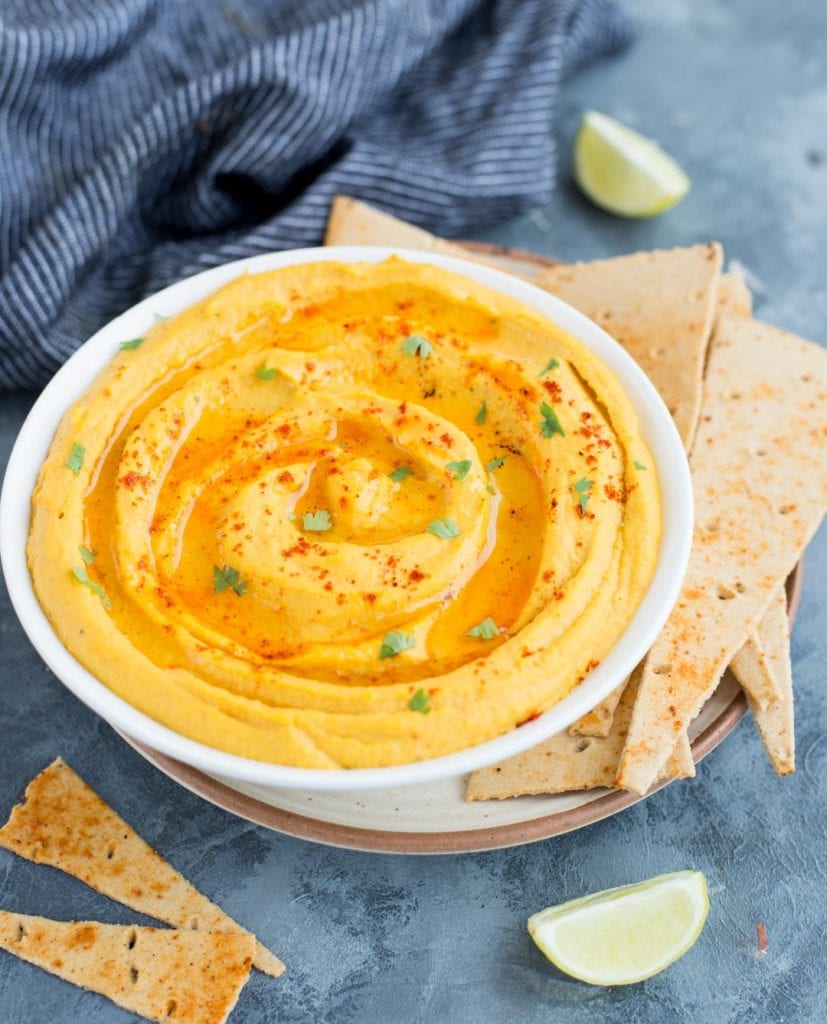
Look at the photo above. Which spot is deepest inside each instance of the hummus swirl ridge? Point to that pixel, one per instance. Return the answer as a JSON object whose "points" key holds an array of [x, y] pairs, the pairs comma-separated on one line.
{"points": [[275, 523]]}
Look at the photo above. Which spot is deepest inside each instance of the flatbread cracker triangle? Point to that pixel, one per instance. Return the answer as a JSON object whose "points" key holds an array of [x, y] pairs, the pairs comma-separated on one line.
{"points": [[565, 762], [760, 479], [660, 306], [775, 722], [598, 721], [355, 223], [64, 823], [164, 975], [751, 667], [734, 297]]}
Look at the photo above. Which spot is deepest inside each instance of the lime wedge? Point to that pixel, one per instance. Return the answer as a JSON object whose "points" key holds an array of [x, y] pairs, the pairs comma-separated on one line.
{"points": [[625, 172], [624, 935]]}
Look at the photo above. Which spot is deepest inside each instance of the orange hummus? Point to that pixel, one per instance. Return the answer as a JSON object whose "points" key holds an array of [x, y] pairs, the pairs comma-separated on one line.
{"points": [[346, 516]]}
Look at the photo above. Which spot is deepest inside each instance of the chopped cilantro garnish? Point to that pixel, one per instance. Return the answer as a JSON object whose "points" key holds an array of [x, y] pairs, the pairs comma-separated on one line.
{"points": [[416, 345], [639, 465], [401, 473], [550, 425], [82, 576], [485, 630], [265, 372], [420, 702], [395, 642], [228, 579], [582, 488], [459, 469], [483, 412], [75, 460], [129, 346], [495, 463], [552, 364], [446, 528], [490, 489], [317, 521], [87, 555]]}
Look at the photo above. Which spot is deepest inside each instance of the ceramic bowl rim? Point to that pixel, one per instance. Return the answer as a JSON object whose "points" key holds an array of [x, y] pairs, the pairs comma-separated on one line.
{"points": [[77, 373]]}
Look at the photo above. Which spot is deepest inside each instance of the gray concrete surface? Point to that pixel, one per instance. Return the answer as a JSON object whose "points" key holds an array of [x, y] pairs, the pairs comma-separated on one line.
{"points": [[738, 92]]}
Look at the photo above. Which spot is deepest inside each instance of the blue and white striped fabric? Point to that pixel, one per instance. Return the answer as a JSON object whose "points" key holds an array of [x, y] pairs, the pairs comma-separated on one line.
{"points": [[144, 140]]}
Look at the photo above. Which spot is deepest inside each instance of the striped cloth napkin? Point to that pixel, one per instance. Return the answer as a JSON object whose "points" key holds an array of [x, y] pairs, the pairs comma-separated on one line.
{"points": [[144, 140]]}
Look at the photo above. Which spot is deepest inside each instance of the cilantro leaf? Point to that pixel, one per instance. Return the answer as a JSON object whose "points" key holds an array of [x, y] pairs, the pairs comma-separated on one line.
{"points": [[317, 521], [87, 555], [130, 346], [420, 702], [265, 372], [82, 576], [75, 460], [228, 579], [416, 345], [445, 529], [639, 465], [495, 463], [395, 642], [582, 488], [485, 630], [460, 469], [483, 412], [550, 425], [552, 364], [401, 473]]}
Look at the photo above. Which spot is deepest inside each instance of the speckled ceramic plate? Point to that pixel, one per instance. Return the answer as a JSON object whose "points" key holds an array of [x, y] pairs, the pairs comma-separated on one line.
{"points": [[435, 818]]}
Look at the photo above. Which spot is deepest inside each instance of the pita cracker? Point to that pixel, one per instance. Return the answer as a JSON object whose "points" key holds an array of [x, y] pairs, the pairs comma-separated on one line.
{"points": [[751, 668], [567, 763], [355, 223], [775, 722], [750, 665], [599, 290], [734, 297], [760, 481], [64, 823], [598, 721], [184, 976], [681, 763], [660, 307]]}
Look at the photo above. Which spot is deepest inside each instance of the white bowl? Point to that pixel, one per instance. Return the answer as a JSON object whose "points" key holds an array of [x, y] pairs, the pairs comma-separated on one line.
{"points": [[72, 379]]}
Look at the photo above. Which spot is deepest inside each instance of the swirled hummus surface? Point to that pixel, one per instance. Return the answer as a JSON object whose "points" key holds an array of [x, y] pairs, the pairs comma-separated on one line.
{"points": [[346, 516]]}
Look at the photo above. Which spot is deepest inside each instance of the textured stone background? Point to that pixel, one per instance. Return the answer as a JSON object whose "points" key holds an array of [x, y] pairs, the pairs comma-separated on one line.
{"points": [[738, 91]]}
